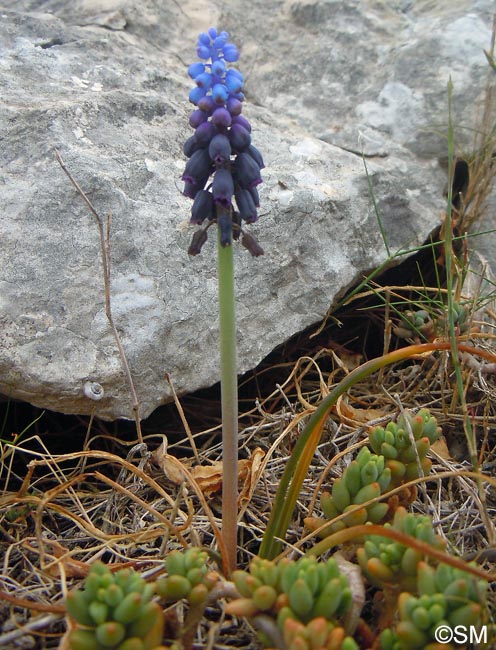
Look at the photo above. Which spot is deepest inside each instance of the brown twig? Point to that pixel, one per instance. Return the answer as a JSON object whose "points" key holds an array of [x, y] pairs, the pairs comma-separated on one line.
{"points": [[104, 232]]}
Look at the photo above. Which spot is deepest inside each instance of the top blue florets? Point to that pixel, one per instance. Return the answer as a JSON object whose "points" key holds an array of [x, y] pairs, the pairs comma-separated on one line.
{"points": [[221, 144]]}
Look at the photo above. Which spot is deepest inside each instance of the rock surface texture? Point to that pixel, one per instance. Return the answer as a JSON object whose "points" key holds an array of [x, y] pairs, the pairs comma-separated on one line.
{"points": [[105, 83]]}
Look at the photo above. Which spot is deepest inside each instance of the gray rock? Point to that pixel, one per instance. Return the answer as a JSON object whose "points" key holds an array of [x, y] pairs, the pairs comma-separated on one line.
{"points": [[106, 84]]}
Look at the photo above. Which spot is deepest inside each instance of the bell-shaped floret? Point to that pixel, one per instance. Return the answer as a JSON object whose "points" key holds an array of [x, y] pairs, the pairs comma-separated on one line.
{"points": [[234, 106], [203, 207], [246, 205], [247, 170], [219, 149], [221, 117], [231, 53], [218, 68], [241, 119], [195, 94], [223, 187], [219, 94], [190, 146], [204, 80], [204, 133], [256, 155], [207, 104], [198, 167], [196, 69], [203, 52], [197, 117], [234, 81], [254, 195], [240, 138]]}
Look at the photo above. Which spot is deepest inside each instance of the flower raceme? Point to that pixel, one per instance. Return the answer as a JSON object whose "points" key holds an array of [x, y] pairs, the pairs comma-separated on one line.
{"points": [[220, 146]]}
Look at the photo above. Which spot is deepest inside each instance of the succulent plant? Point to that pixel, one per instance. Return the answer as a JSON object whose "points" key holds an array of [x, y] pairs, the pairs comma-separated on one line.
{"points": [[395, 444], [188, 577], [387, 562], [318, 634], [300, 590], [367, 477], [114, 611], [461, 318], [415, 323], [447, 597]]}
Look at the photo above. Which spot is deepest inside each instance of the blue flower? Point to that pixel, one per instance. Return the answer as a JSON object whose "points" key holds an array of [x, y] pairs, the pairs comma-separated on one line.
{"points": [[220, 146]]}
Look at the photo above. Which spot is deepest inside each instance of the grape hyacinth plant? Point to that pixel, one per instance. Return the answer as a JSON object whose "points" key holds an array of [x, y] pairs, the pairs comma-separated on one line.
{"points": [[223, 169]]}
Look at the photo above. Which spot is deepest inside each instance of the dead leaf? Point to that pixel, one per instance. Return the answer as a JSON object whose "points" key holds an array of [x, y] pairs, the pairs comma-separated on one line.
{"points": [[253, 472], [209, 477], [441, 448], [170, 465], [356, 416]]}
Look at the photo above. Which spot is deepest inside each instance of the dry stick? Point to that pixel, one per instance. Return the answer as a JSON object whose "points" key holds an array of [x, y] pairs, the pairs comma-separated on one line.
{"points": [[183, 418], [104, 232]]}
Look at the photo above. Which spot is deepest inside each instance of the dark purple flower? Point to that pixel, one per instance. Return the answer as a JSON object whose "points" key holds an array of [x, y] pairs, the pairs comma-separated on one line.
{"points": [[254, 195], [197, 117], [221, 117], [190, 146], [219, 149], [192, 189], [256, 155], [240, 138], [247, 171], [203, 207], [234, 106], [204, 133], [242, 121], [246, 205], [198, 166], [207, 104], [223, 187]]}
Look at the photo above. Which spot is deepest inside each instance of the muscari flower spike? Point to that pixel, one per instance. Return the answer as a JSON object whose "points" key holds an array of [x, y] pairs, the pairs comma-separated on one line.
{"points": [[223, 164]]}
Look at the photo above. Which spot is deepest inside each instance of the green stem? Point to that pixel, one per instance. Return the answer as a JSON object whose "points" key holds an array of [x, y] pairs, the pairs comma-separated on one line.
{"points": [[229, 397]]}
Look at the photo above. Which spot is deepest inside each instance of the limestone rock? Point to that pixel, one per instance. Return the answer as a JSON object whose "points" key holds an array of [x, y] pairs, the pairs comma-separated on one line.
{"points": [[105, 83]]}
